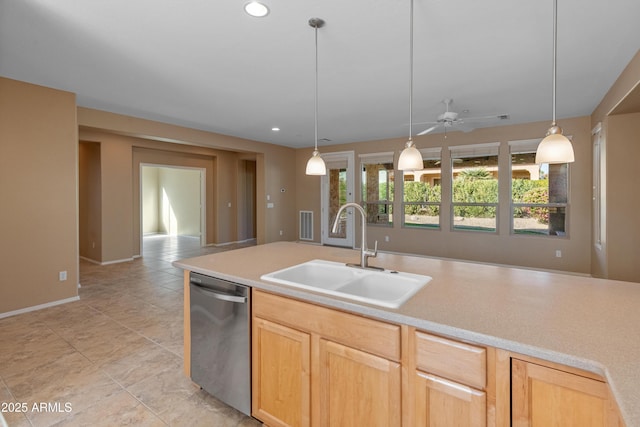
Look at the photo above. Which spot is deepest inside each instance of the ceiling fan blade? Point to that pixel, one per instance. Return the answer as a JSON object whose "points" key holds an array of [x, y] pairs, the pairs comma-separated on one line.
{"points": [[426, 123], [492, 117], [426, 131]]}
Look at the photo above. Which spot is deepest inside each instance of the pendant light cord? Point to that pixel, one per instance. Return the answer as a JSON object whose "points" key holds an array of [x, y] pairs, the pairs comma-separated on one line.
{"points": [[555, 58], [316, 103], [411, 71]]}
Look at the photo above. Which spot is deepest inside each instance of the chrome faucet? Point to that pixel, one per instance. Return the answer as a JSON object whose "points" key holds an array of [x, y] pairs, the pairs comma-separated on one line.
{"points": [[365, 253]]}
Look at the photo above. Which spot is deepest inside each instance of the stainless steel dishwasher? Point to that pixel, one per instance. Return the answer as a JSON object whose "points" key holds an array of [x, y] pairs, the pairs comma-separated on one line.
{"points": [[220, 339]]}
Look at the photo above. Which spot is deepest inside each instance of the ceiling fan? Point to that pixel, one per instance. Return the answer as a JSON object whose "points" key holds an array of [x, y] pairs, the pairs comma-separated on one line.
{"points": [[449, 118]]}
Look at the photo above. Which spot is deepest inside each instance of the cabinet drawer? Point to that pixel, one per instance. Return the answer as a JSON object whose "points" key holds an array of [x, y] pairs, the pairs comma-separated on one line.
{"points": [[372, 336], [450, 359]]}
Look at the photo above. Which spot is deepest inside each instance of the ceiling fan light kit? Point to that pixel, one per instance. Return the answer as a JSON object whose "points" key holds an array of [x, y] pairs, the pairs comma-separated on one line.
{"points": [[555, 147], [315, 165], [410, 158]]}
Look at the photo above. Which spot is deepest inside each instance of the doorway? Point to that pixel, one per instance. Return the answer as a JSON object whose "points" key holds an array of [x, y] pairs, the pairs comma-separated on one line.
{"points": [[172, 201], [337, 188]]}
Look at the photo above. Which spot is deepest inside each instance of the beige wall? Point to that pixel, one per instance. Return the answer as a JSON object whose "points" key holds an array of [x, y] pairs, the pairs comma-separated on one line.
{"points": [[90, 200], [159, 143], [623, 204], [247, 199], [38, 193], [502, 248], [150, 203], [170, 200], [617, 257]]}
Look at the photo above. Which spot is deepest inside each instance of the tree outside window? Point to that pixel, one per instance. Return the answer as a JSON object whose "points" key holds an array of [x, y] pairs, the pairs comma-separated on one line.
{"points": [[377, 188], [422, 194], [475, 187], [539, 193]]}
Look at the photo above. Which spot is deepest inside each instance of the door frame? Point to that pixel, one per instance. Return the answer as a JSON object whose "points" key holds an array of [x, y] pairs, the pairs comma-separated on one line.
{"points": [[349, 241], [203, 199]]}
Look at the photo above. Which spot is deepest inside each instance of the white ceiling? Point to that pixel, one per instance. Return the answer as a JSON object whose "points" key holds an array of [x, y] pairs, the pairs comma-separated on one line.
{"points": [[206, 64]]}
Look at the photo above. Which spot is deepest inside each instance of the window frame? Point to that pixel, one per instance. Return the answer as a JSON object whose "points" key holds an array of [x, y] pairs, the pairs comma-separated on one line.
{"points": [[384, 158], [470, 151], [529, 146], [427, 154]]}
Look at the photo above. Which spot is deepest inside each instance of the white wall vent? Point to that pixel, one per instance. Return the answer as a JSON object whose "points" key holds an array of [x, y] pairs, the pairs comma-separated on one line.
{"points": [[306, 225]]}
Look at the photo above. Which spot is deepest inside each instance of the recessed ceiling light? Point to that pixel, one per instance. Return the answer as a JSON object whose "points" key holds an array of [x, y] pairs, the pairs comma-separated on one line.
{"points": [[276, 129], [257, 9]]}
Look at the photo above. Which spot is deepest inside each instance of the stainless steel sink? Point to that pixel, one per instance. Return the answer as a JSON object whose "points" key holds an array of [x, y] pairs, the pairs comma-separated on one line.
{"points": [[384, 288]]}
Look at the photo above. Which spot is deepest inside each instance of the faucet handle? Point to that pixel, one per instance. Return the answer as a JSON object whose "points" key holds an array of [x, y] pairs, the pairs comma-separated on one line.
{"points": [[373, 253]]}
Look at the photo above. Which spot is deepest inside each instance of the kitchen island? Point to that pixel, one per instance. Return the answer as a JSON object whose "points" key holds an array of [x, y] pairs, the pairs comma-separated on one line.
{"points": [[580, 322]]}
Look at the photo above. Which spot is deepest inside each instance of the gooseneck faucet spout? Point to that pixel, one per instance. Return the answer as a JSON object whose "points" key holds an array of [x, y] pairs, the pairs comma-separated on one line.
{"points": [[365, 253]]}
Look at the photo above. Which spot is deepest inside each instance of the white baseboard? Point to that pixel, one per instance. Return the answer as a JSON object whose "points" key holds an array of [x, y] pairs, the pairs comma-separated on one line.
{"points": [[232, 243], [38, 307], [107, 262]]}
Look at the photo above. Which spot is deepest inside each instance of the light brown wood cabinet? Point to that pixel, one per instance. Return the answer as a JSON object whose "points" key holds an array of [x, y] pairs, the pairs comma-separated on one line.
{"points": [[357, 388], [315, 366], [449, 382], [546, 396], [281, 374]]}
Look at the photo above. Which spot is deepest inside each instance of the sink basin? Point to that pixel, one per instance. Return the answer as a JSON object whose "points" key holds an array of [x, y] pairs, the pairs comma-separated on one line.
{"points": [[384, 288]]}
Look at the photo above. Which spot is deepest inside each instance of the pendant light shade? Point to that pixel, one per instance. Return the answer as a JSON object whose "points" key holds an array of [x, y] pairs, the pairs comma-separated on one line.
{"points": [[410, 158], [555, 147], [315, 165]]}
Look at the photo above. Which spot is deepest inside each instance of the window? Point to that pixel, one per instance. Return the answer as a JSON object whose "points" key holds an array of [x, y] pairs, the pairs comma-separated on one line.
{"points": [[475, 187], [422, 192], [377, 188], [337, 196], [539, 193]]}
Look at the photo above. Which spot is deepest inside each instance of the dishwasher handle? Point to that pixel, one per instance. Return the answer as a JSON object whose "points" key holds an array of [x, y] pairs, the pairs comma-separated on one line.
{"points": [[221, 296]]}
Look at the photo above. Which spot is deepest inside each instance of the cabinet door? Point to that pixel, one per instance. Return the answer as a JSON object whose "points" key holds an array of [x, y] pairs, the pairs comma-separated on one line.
{"points": [[546, 397], [280, 377], [357, 388], [440, 402]]}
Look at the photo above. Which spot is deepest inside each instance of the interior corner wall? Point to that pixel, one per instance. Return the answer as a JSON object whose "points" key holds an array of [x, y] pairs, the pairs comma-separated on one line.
{"points": [[150, 200], [280, 196], [38, 190], [246, 199], [622, 203], [90, 200]]}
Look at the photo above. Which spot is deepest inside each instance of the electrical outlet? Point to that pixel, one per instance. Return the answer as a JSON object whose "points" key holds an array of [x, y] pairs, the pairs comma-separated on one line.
{"points": [[386, 238], [558, 253], [281, 232], [62, 276]]}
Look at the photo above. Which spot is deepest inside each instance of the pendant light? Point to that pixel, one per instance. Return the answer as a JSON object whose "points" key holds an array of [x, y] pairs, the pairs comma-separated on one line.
{"points": [[410, 158], [315, 165], [555, 147]]}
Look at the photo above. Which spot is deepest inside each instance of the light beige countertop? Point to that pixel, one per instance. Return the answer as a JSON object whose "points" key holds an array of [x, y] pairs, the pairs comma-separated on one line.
{"points": [[587, 323]]}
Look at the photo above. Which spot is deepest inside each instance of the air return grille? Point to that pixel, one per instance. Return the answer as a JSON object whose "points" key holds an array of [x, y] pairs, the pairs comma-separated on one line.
{"points": [[306, 225]]}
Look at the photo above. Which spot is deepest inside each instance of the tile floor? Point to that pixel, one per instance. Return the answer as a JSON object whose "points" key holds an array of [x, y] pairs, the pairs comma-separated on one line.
{"points": [[114, 357]]}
